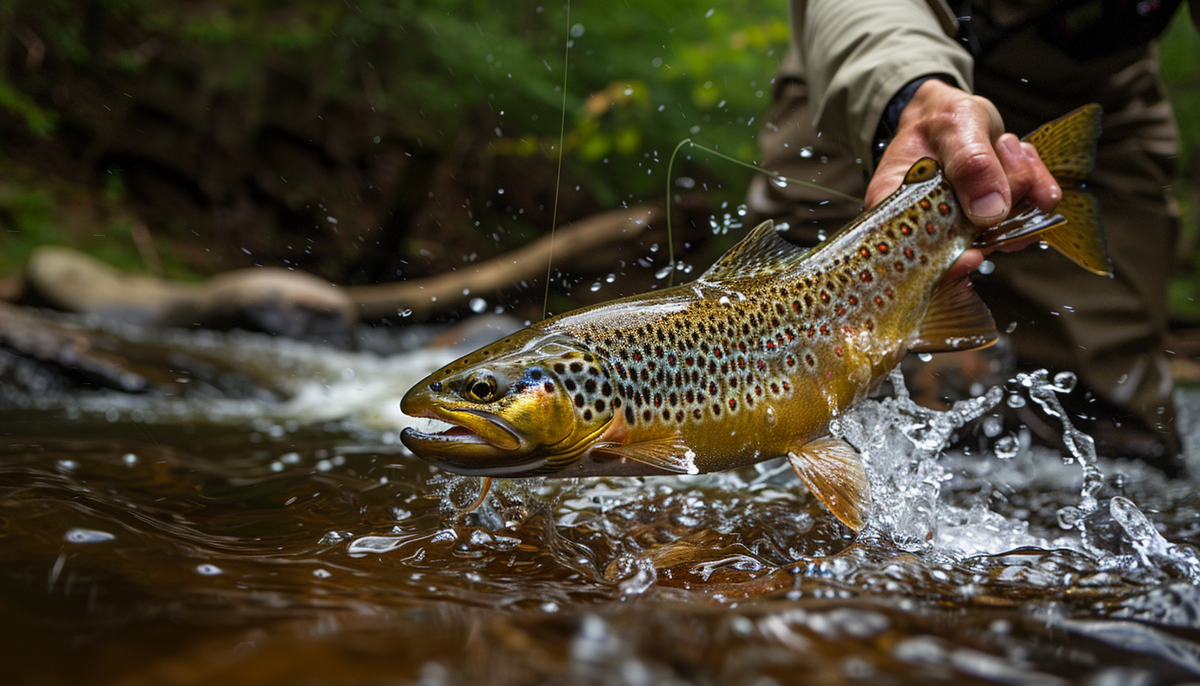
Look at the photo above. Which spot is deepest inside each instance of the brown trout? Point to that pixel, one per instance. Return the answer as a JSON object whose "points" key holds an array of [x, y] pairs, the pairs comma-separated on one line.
{"points": [[752, 360]]}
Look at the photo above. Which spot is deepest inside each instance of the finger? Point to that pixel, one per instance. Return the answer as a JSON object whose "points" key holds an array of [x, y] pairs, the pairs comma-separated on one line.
{"points": [[973, 167], [1028, 178], [966, 263]]}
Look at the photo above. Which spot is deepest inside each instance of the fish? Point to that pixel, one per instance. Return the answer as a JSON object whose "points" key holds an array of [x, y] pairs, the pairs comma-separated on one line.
{"points": [[755, 358]]}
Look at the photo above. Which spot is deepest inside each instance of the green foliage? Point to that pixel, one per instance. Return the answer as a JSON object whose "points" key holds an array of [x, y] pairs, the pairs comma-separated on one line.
{"points": [[1179, 65]]}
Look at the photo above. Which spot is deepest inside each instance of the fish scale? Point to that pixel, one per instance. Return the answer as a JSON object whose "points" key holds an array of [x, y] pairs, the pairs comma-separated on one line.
{"points": [[755, 358]]}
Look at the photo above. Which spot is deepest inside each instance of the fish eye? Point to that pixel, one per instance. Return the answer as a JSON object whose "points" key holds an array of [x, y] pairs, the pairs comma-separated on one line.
{"points": [[480, 387]]}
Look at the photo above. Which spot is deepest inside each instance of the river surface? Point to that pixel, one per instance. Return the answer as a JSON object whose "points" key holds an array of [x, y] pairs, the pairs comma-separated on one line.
{"points": [[288, 537]]}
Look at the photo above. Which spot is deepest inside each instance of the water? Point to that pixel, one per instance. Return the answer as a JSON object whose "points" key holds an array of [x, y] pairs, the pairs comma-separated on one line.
{"points": [[201, 538]]}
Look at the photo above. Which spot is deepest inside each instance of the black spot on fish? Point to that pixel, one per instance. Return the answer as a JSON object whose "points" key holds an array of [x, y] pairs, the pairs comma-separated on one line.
{"points": [[560, 368], [587, 415], [599, 405], [590, 385], [548, 386], [606, 389], [578, 400], [629, 414]]}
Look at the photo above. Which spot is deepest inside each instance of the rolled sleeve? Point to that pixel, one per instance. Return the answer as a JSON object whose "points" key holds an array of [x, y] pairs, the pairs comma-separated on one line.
{"points": [[858, 54]]}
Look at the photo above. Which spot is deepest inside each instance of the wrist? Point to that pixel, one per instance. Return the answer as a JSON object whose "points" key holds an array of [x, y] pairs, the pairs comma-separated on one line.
{"points": [[889, 121]]}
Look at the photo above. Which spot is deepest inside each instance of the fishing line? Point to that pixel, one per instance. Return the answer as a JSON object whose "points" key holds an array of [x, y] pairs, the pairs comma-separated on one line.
{"points": [[748, 165], [562, 128]]}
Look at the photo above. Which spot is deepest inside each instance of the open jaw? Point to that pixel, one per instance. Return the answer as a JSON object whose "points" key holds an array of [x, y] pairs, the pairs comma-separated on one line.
{"points": [[474, 442]]}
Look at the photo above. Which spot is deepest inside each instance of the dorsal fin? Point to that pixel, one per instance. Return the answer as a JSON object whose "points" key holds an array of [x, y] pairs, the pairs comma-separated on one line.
{"points": [[922, 170], [956, 320], [761, 252]]}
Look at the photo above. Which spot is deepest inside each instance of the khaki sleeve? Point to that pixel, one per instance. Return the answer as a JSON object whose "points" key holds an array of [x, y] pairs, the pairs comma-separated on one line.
{"points": [[857, 54]]}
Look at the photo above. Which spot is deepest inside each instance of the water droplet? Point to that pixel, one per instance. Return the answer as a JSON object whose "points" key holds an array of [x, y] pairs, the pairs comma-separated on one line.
{"points": [[924, 357], [654, 247], [1015, 401], [771, 415], [576, 31], [685, 182], [129, 459], [986, 267], [209, 570], [1006, 447], [478, 305], [595, 287], [806, 151], [779, 181], [1064, 382], [610, 278], [662, 273], [723, 301]]}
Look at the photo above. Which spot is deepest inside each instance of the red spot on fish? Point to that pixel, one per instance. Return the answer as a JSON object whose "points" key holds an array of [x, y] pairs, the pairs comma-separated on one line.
{"points": [[762, 365], [908, 252], [733, 403], [791, 361], [899, 267], [637, 357], [883, 248], [853, 300], [906, 229], [775, 388], [864, 251], [671, 360], [809, 360], [758, 391], [812, 331], [930, 228], [841, 311], [825, 297], [824, 330], [925, 204], [889, 293], [865, 276], [787, 387], [878, 301], [742, 346], [796, 306], [943, 208], [741, 363]]}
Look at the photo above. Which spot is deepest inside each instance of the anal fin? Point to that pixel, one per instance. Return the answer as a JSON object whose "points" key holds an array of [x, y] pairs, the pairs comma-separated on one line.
{"points": [[956, 320], [668, 454], [833, 470]]}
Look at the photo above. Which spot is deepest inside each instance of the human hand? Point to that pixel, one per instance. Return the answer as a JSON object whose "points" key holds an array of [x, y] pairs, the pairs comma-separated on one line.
{"points": [[991, 171]]}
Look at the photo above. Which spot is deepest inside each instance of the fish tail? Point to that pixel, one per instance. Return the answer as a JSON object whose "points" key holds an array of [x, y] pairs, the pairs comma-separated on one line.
{"points": [[1067, 146]]}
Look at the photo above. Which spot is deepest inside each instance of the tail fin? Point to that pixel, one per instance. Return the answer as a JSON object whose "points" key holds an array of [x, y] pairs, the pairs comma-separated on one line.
{"points": [[1067, 146]]}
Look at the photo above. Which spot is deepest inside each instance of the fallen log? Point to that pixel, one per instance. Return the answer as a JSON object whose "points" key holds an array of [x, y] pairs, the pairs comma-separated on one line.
{"points": [[424, 296]]}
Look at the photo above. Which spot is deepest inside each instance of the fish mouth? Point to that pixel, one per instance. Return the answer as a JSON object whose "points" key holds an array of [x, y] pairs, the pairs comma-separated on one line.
{"points": [[477, 443]]}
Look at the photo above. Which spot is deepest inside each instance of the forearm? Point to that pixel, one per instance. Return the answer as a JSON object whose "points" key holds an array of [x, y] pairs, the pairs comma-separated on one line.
{"points": [[858, 54]]}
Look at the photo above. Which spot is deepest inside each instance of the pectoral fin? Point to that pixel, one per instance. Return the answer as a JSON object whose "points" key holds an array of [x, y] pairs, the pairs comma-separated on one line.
{"points": [[833, 471], [668, 454], [956, 320]]}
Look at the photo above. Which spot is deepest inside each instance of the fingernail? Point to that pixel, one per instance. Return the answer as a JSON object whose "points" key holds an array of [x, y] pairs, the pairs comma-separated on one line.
{"points": [[989, 206]]}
